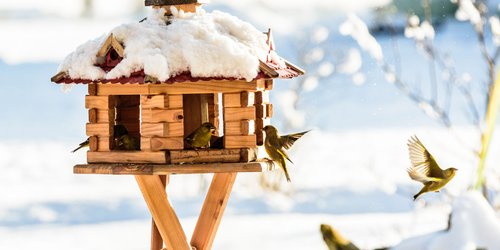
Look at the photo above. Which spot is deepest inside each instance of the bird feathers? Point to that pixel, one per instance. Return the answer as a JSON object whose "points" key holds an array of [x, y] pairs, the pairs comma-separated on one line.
{"points": [[287, 141], [424, 167]]}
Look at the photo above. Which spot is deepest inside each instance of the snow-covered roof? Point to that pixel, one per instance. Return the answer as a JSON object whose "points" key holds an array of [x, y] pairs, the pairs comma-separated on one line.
{"points": [[182, 47]]}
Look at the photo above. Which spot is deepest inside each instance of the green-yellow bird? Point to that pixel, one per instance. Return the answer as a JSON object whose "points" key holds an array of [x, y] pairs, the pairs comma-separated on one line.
{"points": [[425, 169], [334, 240], [127, 142], [119, 130], [200, 137], [276, 146]]}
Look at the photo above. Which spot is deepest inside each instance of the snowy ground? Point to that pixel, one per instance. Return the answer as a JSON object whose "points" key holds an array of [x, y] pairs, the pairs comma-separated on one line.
{"points": [[349, 171]]}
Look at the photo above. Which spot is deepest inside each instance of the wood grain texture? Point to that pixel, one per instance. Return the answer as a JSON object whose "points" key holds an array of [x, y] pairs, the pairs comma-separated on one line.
{"points": [[262, 97], [205, 156], [163, 129], [162, 169], [161, 143], [242, 127], [101, 144], [203, 87], [156, 240], [237, 114], [122, 89], [162, 115], [101, 115], [92, 88], [212, 210], [163, 214], [240, 141], [99, 129], [127, 157], [161, 101], [99, 102]]}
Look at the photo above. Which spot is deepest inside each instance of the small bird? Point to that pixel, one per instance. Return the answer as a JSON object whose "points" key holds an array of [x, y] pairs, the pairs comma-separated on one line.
{"points": [[127, 142], [334, 240], [276, 146], [86, 143], [119, 130], [200, 137], [425, 169]]}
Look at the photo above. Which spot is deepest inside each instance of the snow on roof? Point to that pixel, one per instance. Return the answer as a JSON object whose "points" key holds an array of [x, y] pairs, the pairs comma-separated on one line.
{"points": [[203, 44]]}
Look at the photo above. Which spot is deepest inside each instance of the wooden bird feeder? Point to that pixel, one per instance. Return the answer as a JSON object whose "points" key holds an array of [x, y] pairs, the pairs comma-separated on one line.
{"points": [[160, 115]]}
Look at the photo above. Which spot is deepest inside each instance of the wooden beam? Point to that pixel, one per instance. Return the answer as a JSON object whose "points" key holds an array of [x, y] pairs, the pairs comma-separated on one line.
{"points": [[162, 115], [237, 114], [156, 240], [127, 157], [59, 76], [161, 143], [241, 127], [162, 169], [267, 70], [205, 156], [204, 87], [240, 141], [163, 214], [101, 144], [161, 101], [101, 115], [262, 97], [99, 102], [212, 210], [163, 129], [122, 89], [99, 129]]}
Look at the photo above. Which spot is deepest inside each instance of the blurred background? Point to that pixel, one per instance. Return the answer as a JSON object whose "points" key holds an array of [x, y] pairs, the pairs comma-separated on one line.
{"points": [[378, 71]]}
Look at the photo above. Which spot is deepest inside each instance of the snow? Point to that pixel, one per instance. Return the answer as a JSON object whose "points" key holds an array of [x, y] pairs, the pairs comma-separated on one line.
{"points": [[474, 225], [468, 12], [212, 44]]}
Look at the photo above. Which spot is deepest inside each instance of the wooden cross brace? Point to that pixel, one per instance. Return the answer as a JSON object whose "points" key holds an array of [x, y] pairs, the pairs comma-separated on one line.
{"points": [[166, 227]]}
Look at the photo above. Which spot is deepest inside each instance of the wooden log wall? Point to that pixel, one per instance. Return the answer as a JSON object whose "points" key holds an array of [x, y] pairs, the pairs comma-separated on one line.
{"points": [[239, 120], [263, 111], [162, 124]]}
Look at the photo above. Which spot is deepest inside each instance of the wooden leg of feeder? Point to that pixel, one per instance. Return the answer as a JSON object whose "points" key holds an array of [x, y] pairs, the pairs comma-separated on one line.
{"points": [[213, 208], [156, 240], [163, 214]]}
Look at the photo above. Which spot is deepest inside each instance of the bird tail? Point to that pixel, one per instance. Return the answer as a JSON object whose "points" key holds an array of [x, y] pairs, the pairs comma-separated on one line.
{"points": [[76, 149], [418, 194]]}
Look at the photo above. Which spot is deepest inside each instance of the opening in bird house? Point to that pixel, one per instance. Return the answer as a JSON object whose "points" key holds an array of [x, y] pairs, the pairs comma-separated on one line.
{"points": [[127, 129], [200, 109]]}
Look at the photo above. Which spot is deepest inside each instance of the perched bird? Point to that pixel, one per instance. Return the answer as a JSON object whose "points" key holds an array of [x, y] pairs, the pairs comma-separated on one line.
{"points": [[119, 130], [425, 169], [200, 137], [334, 240], [81, 145], [127, 142], [276, 146]]}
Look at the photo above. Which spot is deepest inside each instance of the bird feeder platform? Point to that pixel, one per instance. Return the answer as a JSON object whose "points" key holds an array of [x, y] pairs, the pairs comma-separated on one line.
{"points": [[152, 180]]}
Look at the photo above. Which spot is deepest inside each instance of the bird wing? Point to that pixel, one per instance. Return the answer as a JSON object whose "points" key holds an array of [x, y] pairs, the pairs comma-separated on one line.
{"points": [[287, 141], [424, 166]]}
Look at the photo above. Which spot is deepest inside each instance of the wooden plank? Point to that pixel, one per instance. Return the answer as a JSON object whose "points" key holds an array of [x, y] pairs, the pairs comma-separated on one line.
{"points": [[101, 115], [240, 141], [212, 210], [105, 46], [164, 129], [161, 101], [163, 214], [213, 111], [203, 87], [99, 102], [162, 115], [269, 110], [231, 100], [156, 240], [269, 84], [259, 133], [92, 88], [237, 114], [117, 46], [262, 97], [122, 89], [161, 169], [248, 154], [58, 77], [267, 70], [242, 127], [99, 129], [101, 144], [161, 143], [247, 98], [263, 110], [127, 157], [205, 156]]}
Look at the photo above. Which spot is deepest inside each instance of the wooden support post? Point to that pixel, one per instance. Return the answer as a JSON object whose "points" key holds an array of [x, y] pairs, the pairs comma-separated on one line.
{"points": [[164, 215], [213, 208], [156, 240]]}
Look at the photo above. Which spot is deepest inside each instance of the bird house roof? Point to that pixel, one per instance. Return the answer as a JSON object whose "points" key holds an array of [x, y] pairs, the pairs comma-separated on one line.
{"points": [[183, 47]]}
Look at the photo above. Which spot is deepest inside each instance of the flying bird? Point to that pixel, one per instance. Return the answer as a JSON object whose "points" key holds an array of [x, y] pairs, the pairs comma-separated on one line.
{"points": [[276, 146], [334, 240], [425, 169], [200, 137]]}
